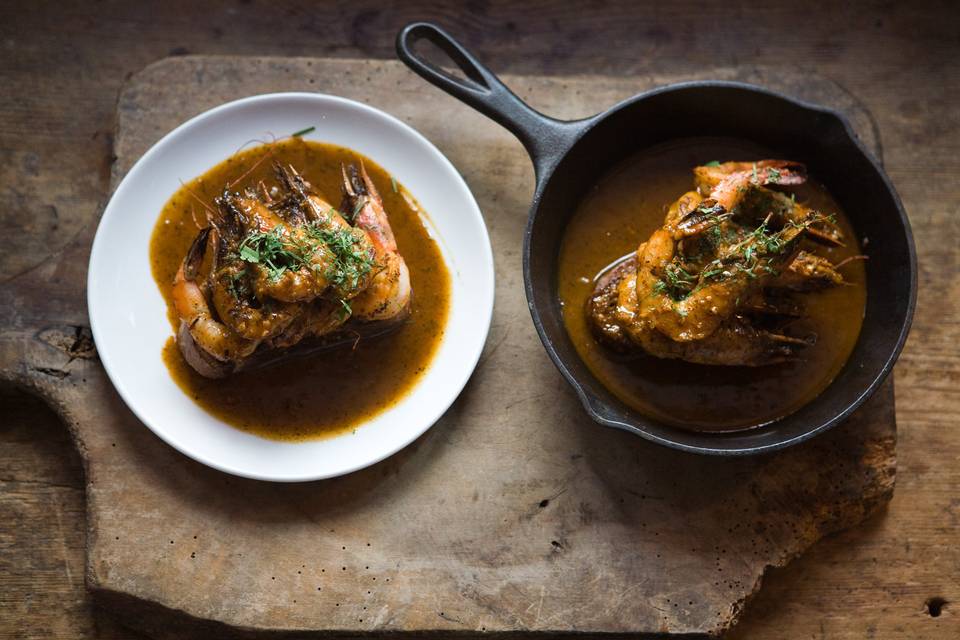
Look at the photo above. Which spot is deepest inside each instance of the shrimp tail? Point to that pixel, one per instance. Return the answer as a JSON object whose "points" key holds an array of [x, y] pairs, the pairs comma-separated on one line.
{"points": [[354, 192], [197, 357], [194, 258]]}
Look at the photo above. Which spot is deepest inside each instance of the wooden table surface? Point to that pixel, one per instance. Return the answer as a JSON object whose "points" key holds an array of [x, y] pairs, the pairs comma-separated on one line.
{"points": [[896, 577]]}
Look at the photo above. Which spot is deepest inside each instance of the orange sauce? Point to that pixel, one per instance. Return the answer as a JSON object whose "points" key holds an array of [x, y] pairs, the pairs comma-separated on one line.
{"points": [[329, 393], [624, 208]]}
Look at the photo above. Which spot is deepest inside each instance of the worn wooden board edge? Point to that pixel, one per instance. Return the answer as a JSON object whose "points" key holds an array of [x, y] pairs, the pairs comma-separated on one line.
{"points": [[162, 622], [165, 623], [41, 377]]}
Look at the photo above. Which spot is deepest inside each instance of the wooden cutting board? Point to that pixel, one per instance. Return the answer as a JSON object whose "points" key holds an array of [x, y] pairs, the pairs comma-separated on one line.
{"points": [[514, 513]]}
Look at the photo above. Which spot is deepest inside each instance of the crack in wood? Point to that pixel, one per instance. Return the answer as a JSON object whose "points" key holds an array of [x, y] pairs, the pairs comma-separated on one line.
{"points": [[76, 341], [53, 372]]}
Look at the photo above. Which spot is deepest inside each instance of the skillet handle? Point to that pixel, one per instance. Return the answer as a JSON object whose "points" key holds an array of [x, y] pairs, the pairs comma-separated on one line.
{"points": [[545, 139]]}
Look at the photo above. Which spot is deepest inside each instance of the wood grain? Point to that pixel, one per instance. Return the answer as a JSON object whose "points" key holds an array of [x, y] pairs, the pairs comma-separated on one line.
{"points": [[42, 537], [63, 68]]}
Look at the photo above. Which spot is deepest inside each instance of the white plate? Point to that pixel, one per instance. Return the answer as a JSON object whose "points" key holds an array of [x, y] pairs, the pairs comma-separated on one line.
{"points": [[129, 317]]}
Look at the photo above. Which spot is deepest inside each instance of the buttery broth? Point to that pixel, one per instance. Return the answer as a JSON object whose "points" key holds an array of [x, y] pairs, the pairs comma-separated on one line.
{"points": [[329, 393], [624, 208]]}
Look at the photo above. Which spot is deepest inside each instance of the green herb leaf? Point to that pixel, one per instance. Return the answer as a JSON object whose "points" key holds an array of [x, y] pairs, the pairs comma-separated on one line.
{"points": [[393, 183], [350, 262], [712, 163], [249, 254], [303, 132]]}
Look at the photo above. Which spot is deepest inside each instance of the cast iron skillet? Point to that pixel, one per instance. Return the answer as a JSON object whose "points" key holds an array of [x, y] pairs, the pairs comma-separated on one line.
{"points": [[569, 157]]}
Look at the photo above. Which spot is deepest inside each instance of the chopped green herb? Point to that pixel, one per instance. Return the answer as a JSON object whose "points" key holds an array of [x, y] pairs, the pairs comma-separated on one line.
{"points": [[393, 183], [249, 254], [271, 250], [350, 263], [346, 264], [712, 163], [303, 132], [749, 253], [709, 273]]}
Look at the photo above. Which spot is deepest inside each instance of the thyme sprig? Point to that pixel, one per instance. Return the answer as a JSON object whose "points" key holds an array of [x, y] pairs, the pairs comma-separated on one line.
{"points": [[750, 256]]}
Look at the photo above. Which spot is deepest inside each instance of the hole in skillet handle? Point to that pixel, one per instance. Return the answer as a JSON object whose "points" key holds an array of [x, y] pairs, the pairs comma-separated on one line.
{"points": [[477, 80], [545, 139]]}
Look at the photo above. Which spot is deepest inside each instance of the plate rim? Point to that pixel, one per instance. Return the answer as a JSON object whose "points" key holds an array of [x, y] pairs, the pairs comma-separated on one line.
{"points": [[487, 302]]}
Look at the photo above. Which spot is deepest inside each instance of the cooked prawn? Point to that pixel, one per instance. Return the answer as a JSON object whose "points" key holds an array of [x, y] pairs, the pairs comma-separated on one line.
{"points": [[388, 295], [212, 336]]}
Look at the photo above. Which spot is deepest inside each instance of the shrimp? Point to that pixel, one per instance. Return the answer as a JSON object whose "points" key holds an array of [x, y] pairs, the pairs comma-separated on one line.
{"points": [[317, 319], [388, 295], [343, 256], [234, 298], [731, 189], [735, 341], [285, 265], [647, 303], [647, 299], [708, 286], [244, 313], [809, 272], [204, 340], [279, 273], [731, 183]]}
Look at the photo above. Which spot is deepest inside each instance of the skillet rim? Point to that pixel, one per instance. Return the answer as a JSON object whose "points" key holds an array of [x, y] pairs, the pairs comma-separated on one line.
{"points": [[545, 170]]}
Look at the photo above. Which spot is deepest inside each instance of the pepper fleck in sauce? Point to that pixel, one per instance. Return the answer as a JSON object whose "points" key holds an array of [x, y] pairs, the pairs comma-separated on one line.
{"points": [[625, 207], [325, 394]]}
